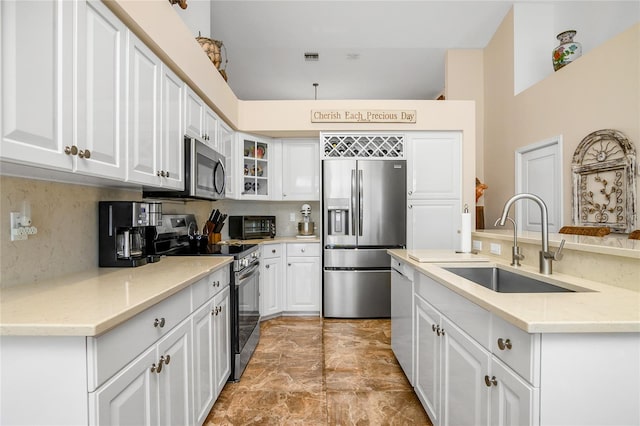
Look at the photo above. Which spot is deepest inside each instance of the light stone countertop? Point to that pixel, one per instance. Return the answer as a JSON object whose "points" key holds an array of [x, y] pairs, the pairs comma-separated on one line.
{"points": [[92, 302], [602, 308]]}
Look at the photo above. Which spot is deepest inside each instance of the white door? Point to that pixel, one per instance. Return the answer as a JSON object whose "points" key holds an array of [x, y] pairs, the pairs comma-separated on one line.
{"points": [[539, 172], [434, 165], [222, 340], [210, 128], [512, 399], [271, 286], [130, 397], [174, 380], [172, 132], [433, 224], [194, 108], [203, 361], [465, 396], [300, 170], [101, 84], [303, 284], [144, 96], [428, 344], [36, 113]]}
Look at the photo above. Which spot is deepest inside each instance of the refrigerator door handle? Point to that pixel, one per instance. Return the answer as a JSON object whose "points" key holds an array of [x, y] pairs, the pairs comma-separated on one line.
{"points": [[353, 202], [360, 203]]}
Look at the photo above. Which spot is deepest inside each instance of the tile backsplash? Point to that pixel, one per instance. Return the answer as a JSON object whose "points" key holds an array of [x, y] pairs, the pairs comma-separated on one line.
{"points": [[66, 216]]}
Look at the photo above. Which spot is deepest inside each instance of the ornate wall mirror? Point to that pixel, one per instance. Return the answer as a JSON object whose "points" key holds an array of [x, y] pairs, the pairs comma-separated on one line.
{"points": [[604, 181]]}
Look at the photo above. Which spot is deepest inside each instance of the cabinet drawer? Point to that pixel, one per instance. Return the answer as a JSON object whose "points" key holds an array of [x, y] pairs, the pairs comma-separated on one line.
{"points": [[468, 316], [109, 352], [269, 251], [209, 286], [296, 249], [516, 348]]}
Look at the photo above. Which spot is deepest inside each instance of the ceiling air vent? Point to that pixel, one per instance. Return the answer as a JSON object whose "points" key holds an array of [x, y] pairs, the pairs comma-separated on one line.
{"points": [[311, 57]]}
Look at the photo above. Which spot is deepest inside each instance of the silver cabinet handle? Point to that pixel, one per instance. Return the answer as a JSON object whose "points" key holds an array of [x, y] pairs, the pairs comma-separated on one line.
{"points": [[302, 250], [166, 359], [410, 206], [153, 368], [159, 322], [410, 192], [84, 153], [267, 266], [490, 381], [504, 343]]}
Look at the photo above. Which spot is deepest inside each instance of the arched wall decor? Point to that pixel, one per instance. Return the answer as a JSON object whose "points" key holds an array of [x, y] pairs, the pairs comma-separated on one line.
{"points": [[604, 181]]}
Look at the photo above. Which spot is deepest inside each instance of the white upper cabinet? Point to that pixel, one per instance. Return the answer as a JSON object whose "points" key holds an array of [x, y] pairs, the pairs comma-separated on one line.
{"points": [[210, 128], [144, 97], [200, 121], [36, 85], [434, 165], [172, 129], [100, 100], [300, 169]]}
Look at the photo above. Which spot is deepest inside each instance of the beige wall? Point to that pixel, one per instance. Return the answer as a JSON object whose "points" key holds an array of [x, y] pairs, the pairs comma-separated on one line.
{"points": [[601, 90]]}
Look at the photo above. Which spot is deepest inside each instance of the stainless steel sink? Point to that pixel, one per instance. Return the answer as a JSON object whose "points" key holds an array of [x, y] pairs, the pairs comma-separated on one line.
{"points": [[503, 281]]}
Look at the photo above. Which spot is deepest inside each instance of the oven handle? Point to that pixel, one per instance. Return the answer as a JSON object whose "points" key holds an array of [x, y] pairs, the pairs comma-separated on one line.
{"points": [[247, 274]]}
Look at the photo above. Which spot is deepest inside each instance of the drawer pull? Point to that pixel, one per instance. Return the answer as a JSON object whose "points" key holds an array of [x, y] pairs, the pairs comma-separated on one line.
{"points": [[502, 344], [158, 322], [490, 381]]}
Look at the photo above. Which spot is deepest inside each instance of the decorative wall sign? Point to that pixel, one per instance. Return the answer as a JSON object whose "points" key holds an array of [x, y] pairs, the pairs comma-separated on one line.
{"points": [[363, 116], [604, 181]]}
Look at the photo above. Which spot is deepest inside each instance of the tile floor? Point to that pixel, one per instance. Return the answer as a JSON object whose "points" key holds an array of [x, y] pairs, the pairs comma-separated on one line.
{"points": [[313, 371]]}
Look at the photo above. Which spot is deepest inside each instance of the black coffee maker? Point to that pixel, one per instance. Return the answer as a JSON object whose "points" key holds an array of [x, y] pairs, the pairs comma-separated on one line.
{"points": [[125, 229]]}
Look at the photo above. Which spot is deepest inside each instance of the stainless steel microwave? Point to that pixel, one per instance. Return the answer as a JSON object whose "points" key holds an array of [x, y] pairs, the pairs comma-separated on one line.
{"points": [[252, 227], [204, 174]]}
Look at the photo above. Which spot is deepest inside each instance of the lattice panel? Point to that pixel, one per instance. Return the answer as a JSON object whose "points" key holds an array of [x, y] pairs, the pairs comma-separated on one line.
{"points": [[363, 146]]}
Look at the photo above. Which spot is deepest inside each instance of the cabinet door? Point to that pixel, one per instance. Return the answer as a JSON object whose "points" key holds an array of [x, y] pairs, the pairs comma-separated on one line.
{"points": [[203, 361], [144, 96], [512, 399], [434, 165], [433, 224], [174, 381], [172, 132], [303, 284], [227, 147], [101, 85], [210, 126], [300, 170], [256, 157], [194, 108], [465, 396], [222, 340], [36, 116], [130, 397], [271, 286], [402, 321], [428, 343]]}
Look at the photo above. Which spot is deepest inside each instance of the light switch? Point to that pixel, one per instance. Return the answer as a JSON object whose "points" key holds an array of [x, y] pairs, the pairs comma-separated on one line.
{"points": [[292, 217]]}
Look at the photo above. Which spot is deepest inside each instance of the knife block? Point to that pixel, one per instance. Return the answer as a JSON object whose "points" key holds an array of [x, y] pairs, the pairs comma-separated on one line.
{"points": [[215, 238]]}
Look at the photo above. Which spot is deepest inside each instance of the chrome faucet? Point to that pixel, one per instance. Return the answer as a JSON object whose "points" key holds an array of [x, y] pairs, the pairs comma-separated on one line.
{"points": [[516, 255], [546, 256]]}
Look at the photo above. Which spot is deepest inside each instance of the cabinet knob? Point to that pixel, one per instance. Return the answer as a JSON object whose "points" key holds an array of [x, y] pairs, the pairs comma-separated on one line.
{"points": [[267, 266], [158, 322], [288, 264], [490, 381], [167, 174], [166, 359], [284, 195], [439, 331], [84, 153], [504, 343], [433, 328], [153, 368], [410, 206], [302, 250], [71, 150], [410, 192], [273, 250]]}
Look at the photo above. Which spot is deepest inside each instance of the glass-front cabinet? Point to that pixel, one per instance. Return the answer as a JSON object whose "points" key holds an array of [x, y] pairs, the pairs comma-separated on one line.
{"points": [[256, 160]]}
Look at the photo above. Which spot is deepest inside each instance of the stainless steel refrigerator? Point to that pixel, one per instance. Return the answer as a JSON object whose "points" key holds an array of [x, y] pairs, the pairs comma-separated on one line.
{"points": [[363, 215]]}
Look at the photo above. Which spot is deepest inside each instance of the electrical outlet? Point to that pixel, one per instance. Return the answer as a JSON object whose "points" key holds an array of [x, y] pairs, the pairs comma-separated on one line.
{"points": [[292, 217], [496, 248], [477, 245]]}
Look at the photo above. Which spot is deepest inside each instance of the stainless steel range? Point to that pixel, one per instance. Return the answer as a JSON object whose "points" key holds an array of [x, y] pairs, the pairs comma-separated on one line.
{"points": [[177, 237]]}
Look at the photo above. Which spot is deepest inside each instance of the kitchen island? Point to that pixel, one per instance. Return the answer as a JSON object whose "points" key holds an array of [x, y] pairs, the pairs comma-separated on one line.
{"points": [[516, 358], [120, 345]]}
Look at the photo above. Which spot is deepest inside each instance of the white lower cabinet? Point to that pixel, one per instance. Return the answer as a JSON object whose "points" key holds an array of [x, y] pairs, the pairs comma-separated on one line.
{"points": [[427, 348], [402, 333], [513, 400], [303, 278], [222, 339], [271, 281], [156, 385]]}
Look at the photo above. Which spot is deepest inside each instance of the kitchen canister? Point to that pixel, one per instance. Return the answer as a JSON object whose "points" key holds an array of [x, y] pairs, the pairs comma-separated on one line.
{"points": [[567, 51]]}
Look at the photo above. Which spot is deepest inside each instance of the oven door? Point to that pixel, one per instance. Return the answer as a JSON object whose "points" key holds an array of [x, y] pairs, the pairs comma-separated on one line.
{"points": [[247, 291]]}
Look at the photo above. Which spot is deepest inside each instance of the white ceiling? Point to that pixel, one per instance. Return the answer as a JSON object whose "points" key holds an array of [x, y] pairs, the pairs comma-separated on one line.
{"points": [[399, 46]]}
